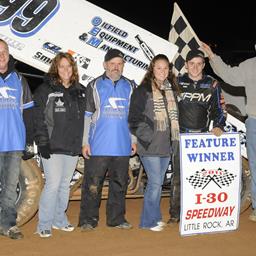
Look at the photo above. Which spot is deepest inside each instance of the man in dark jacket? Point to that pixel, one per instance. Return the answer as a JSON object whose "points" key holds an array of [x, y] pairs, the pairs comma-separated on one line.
{"points": [[15, 130], [200, 102]]}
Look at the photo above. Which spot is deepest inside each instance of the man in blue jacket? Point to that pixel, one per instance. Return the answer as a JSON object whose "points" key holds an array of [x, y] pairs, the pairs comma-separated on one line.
{"points": [[107, 144], [15, 130]]}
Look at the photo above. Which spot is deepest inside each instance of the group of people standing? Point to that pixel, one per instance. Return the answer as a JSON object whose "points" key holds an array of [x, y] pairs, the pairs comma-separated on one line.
{"points": [[107, 122]]}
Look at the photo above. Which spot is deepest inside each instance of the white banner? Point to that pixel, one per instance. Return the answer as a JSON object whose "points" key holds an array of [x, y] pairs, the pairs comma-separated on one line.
{"points": [[37, 30], [210, 183]]}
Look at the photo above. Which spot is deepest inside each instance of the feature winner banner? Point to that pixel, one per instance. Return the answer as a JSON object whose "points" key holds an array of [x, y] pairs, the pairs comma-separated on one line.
{"points": [[210, 183], [37, 30]]}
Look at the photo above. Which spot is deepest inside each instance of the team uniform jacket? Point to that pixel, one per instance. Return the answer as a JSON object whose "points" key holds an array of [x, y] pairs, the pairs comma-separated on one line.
{"points": [[59, 117], [199, 103], [15, 101], [107, 107]]}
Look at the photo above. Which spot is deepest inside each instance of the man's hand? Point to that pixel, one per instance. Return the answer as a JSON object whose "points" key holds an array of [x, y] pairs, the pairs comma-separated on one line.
{"points": [[216, 131], [86, 151], [134, 149], [207, 49]]}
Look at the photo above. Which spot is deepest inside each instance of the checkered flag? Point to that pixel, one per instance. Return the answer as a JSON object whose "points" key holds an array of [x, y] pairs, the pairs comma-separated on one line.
{"points": [[199, 180], [224, 179], [181, 34]]}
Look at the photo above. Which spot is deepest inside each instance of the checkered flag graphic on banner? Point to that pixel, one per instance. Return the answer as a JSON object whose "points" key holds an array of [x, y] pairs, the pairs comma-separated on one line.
{"points": [[200, 180], [181, 34], [224, 179]]}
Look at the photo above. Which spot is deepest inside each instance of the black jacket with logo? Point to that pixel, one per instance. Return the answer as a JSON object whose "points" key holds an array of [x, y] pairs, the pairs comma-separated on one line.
{"points": [[199, 103], [59, 117]]}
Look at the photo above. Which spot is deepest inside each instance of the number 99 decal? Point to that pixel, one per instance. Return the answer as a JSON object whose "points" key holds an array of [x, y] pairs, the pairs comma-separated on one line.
{"points": [[26, 17]]}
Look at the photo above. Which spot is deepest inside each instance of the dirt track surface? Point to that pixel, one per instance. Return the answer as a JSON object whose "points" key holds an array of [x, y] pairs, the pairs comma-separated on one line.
{"points": [[136, 242]]}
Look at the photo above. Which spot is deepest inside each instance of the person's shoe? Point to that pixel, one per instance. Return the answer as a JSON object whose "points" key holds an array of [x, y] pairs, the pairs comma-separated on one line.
{"points": [[14, 233], [161, 224], [86, 227], [124, 225], [173, 221], [252, 216], [68, 228], [156, 228], [44, 233]]}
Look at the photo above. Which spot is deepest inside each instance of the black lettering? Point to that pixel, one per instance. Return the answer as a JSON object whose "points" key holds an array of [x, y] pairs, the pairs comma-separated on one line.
{"points": [[35, 13], [10, 8]]}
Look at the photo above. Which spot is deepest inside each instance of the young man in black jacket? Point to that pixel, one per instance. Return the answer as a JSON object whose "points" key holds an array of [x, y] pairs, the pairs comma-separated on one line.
{"points": [[200, 101]]}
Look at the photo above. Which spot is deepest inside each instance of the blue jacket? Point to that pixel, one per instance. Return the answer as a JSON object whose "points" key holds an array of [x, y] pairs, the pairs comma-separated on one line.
{"points": [[15, 101], [107, 107]]}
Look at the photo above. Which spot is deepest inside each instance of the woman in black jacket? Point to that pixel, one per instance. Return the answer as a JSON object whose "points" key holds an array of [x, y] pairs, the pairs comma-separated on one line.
{"points": [[153, 119], [59, 122]]}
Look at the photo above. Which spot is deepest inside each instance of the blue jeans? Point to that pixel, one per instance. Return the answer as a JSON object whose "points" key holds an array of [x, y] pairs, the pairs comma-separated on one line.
{"points": [[251, 152], [9, 177], [155, 168], [58, 171]]}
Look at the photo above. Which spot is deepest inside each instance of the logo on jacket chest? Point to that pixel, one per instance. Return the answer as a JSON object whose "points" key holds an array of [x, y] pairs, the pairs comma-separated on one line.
{"points": [[196, 96], [59, 106], [115, 107]]}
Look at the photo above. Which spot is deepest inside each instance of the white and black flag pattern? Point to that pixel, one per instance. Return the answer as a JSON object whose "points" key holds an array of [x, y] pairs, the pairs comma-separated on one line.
{"points": [[221, 179], [182, 35]]}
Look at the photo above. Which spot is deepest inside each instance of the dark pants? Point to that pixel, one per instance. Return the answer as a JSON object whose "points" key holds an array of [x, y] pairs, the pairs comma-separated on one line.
{"points": [[95, 172], [174, 209], [9, 178]]}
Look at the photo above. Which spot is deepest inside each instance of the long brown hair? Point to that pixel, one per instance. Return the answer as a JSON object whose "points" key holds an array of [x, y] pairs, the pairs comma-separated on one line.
{"points": [[149, 76], [53, 70]]}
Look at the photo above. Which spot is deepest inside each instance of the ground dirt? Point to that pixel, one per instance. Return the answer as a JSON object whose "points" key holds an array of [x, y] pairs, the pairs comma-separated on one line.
{"points": [[135, 242]]}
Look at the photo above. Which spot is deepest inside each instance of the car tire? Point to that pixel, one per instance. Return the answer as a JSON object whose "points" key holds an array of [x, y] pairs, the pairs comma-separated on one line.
{"points": [[28, 191]]}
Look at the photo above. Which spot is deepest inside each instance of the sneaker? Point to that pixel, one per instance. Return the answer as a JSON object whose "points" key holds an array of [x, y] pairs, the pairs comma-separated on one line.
{"points": [[161, 224], [44, 233], [124, 225], [252, 216], [14, 233], [173, 220], [68, 228], [156, 228], [87, 227]]}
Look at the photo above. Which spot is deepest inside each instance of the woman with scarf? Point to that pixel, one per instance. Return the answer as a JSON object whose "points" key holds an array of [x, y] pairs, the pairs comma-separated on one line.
{"points": [[153, 119]]}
